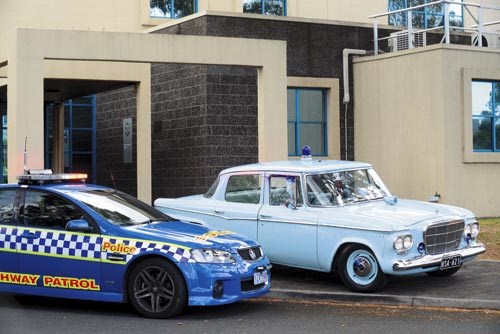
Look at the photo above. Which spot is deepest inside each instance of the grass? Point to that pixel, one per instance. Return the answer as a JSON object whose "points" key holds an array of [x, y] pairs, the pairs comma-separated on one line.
{"points": [[490, 236]]}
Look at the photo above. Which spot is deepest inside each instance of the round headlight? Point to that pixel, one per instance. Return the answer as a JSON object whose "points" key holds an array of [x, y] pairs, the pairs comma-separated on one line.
{"points": [[467, 229], [474, 229], [398, 243], [407, 242]]}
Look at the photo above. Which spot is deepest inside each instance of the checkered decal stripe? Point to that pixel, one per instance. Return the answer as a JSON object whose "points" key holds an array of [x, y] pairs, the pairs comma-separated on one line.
{"points": [[63, 244], [8, 238], [179, 254], [80, 246]]}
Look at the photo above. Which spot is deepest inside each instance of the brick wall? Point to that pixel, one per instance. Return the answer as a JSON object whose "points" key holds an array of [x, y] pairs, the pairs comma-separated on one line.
{"points": [[204, 119], [112, 108]]}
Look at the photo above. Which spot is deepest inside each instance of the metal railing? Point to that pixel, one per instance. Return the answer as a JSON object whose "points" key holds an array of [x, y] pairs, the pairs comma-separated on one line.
{"points": [[477, 29]]}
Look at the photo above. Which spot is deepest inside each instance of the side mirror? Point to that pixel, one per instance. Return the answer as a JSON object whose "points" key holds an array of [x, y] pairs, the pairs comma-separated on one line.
{"points": [[290, 204], [78, 225]]}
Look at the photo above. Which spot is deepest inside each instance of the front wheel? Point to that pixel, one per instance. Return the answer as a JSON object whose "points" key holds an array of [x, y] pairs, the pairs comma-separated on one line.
{"points": [[359, 269], [156, 289]]}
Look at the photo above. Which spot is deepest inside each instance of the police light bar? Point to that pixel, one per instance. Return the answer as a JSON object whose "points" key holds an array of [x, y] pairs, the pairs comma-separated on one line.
{"points": [[46, 176]]}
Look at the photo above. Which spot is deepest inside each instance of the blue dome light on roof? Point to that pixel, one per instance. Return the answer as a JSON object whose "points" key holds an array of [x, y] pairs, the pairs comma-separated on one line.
{"points": [[306, 151]]}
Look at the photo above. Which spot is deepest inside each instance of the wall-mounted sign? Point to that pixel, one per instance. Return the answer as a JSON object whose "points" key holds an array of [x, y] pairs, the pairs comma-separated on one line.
{"points": [[127, 140]]}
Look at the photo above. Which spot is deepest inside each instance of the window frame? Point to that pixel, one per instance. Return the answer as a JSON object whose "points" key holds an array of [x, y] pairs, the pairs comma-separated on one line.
{"points": [[468, 75], [423, 11], [298, 122], [263, 8], [493, 118], [172, 10]]}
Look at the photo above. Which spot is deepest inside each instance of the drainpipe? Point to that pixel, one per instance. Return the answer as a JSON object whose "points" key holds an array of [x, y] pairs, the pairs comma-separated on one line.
{"points": [[347, 97]]}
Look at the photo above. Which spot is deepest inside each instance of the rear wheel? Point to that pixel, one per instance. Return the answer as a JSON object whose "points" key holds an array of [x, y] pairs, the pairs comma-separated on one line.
{"points": [[359, 269], [444, 273], [156, 289]]}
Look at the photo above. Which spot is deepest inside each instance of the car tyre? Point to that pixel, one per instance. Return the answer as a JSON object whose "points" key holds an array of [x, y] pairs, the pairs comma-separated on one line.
{"points": [[359, 269], [156, 289], [444, 273]]}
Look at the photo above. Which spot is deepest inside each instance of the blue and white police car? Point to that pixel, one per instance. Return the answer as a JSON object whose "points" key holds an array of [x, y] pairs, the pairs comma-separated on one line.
{"points": [[334, 216], [60, 237]]}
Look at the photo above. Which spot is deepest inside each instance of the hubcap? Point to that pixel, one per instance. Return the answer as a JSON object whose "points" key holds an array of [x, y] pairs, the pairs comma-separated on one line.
{"points": [[362, 267]]}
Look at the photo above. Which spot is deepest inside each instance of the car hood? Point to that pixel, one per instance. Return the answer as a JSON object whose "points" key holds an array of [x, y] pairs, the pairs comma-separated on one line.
{"points": [[190, 235], [403, 214]]}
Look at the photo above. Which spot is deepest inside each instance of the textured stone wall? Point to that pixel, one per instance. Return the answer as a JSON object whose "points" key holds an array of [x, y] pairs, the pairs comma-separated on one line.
{"points": [[204, 119], [112, 108]]}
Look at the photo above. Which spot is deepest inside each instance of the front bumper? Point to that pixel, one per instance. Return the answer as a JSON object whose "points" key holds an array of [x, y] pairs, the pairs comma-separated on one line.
{"points": [[219, 284], [430, 261]]}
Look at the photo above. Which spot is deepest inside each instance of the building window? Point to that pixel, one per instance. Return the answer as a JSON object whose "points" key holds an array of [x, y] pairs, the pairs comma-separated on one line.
{"points": [[486, 116], [307, 121], [426, 17], [79, 135], [172, 9], [265, 7]]}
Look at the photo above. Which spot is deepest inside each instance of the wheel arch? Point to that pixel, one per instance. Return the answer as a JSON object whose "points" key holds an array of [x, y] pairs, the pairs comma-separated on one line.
{"points": [[336, 257], [135, 261]]}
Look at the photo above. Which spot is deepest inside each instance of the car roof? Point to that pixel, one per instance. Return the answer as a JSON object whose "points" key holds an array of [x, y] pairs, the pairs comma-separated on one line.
{"points": [[59, 187], [299, 166]]}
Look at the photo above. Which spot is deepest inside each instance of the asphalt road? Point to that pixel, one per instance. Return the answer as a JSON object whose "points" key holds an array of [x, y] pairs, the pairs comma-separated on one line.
{"points": [[301, 301], [475, 285], [263, 315]]}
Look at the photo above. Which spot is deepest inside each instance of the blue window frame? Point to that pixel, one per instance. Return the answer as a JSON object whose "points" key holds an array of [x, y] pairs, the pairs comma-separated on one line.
{"points": [[427, 17], [486, 116], [307, 120], [79, 136], [265, 7], [172, 9]]}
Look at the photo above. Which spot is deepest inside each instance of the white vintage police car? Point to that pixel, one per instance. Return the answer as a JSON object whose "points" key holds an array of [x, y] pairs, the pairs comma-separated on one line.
{"points": [[334, 216], [62, 238]]}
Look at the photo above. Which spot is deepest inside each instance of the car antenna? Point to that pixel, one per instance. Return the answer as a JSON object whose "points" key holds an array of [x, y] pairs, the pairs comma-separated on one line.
{"points": [[25, 156]]}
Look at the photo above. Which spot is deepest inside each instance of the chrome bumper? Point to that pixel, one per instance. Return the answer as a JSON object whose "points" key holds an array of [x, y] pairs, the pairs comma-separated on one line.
{"points": [[429, 261]]}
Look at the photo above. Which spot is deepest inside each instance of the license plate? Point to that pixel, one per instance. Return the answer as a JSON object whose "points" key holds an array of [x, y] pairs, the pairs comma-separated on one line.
{"points": [[451, 262], [260, 277]]}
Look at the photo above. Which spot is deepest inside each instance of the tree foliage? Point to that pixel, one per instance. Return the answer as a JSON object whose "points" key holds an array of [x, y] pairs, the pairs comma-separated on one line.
{"points": [[271, 7], [180, 8]]}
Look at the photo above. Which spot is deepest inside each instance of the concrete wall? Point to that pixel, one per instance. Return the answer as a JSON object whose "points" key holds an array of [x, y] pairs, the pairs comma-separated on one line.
{"points": [[412, 117]]}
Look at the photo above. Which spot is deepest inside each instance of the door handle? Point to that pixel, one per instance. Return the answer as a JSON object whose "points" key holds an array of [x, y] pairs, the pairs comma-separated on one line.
{"points": [[29, 235], [219, 212], [265, 216]]}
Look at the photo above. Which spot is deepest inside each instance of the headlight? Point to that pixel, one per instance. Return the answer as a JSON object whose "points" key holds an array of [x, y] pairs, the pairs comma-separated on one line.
{"points": [[474, 229], [211, 256], [407, 242], [403, 243]]}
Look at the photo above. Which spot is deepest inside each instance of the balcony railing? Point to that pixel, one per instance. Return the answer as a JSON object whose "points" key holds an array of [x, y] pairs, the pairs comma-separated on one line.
{"points": [[476, 12]]}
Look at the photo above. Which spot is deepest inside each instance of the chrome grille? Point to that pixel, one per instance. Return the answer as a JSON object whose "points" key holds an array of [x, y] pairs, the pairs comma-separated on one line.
{"points": [[246, 253], [443, 237]]}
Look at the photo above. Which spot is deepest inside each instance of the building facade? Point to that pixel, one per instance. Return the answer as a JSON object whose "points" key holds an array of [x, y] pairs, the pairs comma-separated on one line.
{"points": [[175, 91]]}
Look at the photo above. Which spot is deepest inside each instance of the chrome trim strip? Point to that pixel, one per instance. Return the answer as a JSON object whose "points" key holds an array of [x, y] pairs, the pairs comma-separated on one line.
{"points": [[428, 261], [205, 214], [365, 229], [286, 222]]}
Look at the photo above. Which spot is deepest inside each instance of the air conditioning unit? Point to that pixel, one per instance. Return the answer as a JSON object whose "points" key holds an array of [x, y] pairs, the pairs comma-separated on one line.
{"points": [[398, 41]]}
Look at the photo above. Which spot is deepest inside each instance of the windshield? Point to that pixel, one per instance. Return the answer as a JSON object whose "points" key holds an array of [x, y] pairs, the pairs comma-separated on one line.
{"points": [[340, 188], [119, 208]]}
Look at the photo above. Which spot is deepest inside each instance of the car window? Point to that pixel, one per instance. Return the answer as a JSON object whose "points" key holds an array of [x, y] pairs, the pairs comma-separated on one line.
{"points": [[7, 198], [284, 187], [48, 210], [244, 188], [119, 208]]}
